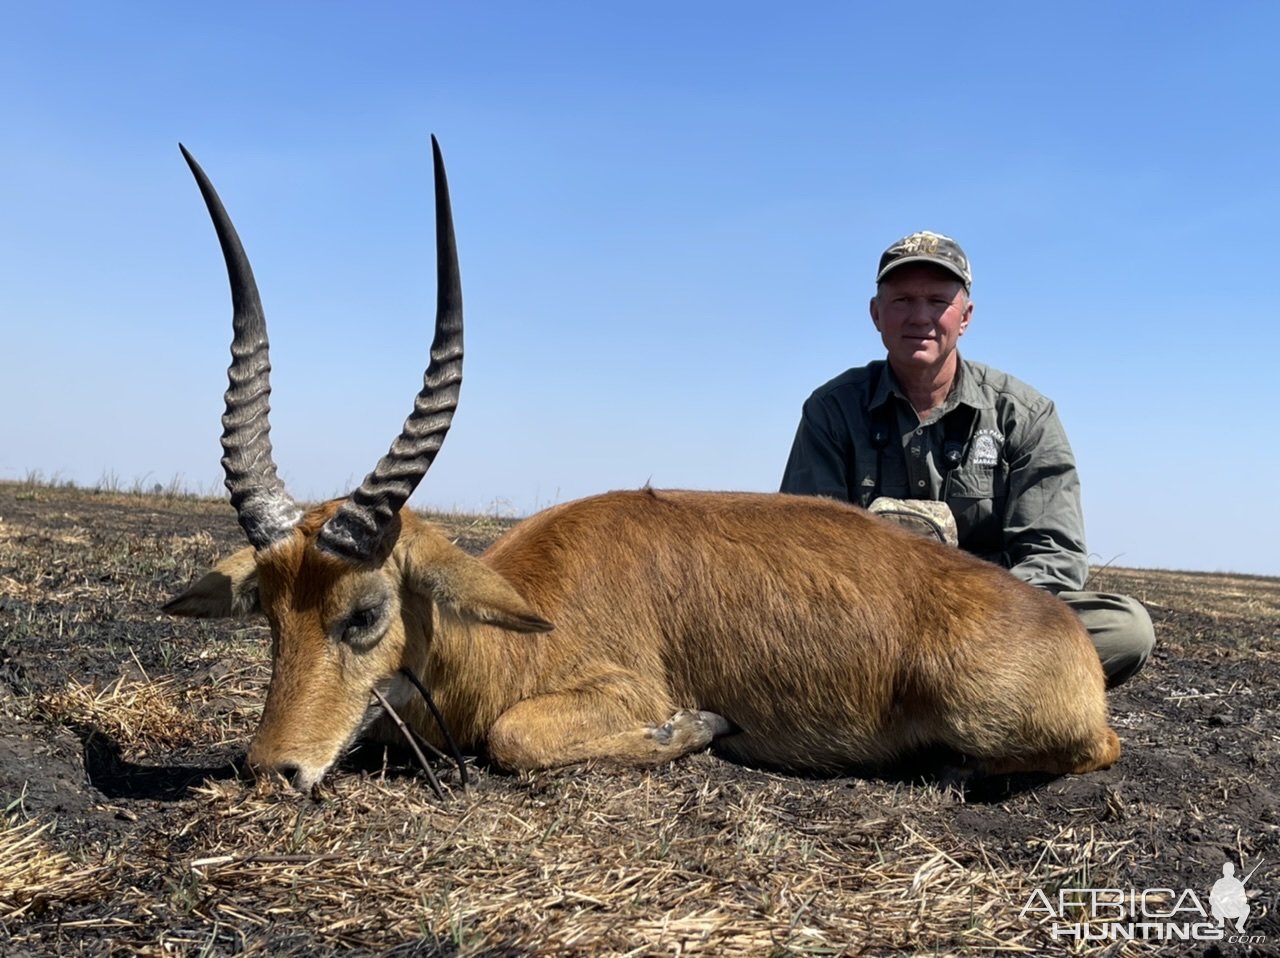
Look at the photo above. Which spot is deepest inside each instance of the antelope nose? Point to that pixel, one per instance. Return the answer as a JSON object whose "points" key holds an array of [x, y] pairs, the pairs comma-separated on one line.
{"points": [[290, 772]]}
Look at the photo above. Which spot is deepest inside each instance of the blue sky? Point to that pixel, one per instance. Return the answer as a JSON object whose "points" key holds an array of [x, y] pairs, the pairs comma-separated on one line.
{"points": [[668, 218]]}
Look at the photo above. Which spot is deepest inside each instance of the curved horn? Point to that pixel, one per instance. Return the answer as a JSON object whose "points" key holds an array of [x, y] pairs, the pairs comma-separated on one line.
{"points": [[266, 512], [355, 531]]}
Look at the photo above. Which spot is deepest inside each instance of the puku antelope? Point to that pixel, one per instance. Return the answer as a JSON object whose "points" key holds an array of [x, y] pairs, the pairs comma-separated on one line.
{"points": [[631, 627]]}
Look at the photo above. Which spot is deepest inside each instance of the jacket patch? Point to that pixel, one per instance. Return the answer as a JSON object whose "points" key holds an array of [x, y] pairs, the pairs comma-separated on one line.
{"points": [[986, 447]]}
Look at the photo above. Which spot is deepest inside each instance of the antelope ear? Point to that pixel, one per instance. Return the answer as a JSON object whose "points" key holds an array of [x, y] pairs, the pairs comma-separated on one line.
{"points": [[230, 588], [468, 588]]}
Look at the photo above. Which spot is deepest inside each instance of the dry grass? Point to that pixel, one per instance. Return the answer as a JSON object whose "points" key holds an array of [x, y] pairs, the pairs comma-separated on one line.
{"points": [[130, 712], [127, 835], [1217, 595], [32, 876]]}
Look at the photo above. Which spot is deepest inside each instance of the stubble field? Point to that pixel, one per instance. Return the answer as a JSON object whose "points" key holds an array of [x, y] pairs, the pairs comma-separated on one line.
{"points": [[126, 831]]}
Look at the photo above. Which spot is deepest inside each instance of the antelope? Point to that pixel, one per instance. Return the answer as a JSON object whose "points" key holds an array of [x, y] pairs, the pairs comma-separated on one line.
{"points": [[632, 627]]}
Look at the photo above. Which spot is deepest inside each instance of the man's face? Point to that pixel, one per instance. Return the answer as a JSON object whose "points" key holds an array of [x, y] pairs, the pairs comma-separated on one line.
{"points": [[921, 312]]}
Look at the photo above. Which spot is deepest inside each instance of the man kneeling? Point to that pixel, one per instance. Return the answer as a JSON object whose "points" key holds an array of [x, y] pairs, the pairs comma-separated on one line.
{"points": [[926, 425]]}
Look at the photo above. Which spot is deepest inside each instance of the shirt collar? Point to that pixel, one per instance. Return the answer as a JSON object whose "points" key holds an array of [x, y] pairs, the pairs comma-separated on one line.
{"points": [[965, 390]]}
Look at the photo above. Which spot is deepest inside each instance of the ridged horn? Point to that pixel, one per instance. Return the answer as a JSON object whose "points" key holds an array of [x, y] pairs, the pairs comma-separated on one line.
{"points": [[266, 512], [356, 529]]}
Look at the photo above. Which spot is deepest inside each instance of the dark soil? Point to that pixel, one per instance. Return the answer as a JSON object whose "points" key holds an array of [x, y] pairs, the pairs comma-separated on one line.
{"points": [[82, 576]]}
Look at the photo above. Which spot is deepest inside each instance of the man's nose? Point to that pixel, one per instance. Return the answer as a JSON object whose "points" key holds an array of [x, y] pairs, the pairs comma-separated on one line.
{"points": [[920, 314]]}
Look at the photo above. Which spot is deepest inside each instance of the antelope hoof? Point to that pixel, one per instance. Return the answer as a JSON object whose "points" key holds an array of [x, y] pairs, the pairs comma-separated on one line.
{"points": [[690, 728]]}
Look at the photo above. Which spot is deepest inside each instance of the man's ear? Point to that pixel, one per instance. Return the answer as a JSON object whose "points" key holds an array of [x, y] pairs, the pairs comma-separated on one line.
{"points": [[468, 588], [229, 589], [874, 308]]}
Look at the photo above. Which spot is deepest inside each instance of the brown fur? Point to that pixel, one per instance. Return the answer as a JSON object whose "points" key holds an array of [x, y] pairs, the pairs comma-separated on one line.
{"points": [[825, 637]]}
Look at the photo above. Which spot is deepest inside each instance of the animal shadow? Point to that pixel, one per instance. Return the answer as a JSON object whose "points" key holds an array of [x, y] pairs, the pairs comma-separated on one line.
{"points": [[935, 765], [947, 768], [115, 776]]}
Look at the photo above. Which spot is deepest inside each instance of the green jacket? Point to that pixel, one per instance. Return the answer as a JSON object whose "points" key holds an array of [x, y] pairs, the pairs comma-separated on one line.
{"points": [[1014, 489]]}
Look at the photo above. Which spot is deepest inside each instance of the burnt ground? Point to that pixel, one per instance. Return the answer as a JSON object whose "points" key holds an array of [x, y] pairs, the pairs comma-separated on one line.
{"points": [[126, 830]]}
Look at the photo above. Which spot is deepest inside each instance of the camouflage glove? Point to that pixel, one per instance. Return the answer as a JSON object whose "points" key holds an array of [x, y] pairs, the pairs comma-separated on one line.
{"points": [[923, 516]]}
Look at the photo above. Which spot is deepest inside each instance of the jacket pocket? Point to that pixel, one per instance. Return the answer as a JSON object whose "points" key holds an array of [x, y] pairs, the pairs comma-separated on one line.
{"points": [[977, 498]]}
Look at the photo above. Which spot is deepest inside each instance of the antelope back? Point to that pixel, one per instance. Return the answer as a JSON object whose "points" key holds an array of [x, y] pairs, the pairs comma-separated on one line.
{"points": [[827, 637]]}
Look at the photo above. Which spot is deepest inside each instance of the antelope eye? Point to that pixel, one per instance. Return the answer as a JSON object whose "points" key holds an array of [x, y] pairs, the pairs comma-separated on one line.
{"points": [[359, 624]]}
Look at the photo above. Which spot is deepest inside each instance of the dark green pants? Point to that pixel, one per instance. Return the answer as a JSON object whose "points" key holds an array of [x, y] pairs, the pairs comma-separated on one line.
{"points": [[1120, 628]]}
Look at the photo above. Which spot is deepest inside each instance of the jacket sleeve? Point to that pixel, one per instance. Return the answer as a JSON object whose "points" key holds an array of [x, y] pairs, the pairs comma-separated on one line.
{"points": [[818, 463], [1044, 524]]}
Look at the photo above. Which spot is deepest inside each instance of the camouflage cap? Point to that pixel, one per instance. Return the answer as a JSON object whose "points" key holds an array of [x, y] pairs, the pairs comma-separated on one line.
{"points": [[928, 517], [926, 247]]}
